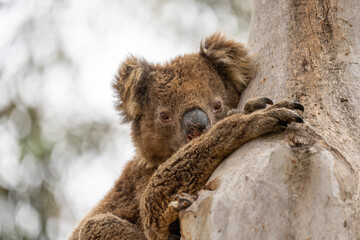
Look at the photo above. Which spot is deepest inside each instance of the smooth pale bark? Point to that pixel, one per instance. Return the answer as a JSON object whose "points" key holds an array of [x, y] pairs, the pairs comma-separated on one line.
{"points": [[303, 183]]}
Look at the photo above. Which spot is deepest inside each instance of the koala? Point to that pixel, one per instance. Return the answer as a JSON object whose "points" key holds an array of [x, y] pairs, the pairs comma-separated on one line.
{"points": [[183, 126]]}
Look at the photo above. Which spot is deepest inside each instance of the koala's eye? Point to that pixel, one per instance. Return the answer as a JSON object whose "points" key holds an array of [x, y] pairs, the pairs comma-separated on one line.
{"points": [[218, 107], [164, 116]]}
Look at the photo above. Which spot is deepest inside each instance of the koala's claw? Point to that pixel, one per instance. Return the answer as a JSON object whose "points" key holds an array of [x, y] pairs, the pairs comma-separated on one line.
{"points": [[182, 201], [298, 106], [298, 119], [185, 200]]}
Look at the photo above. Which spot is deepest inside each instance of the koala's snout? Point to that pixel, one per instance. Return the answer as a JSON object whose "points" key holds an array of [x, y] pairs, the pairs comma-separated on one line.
{"points": [[195, 122]]}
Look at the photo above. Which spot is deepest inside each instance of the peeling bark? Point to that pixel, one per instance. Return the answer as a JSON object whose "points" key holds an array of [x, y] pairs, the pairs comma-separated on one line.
{"points": [[303, 183]]}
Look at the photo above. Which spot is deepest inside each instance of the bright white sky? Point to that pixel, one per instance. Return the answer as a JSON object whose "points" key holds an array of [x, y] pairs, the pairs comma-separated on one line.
{"points": [[97, 36]]}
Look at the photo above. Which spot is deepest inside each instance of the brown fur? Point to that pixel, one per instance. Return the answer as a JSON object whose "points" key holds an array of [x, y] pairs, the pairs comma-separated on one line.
{"points": [[141, 204]]}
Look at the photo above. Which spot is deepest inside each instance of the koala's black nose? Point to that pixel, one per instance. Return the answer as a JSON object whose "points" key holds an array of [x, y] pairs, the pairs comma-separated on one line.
{"points": [[195, 123]]}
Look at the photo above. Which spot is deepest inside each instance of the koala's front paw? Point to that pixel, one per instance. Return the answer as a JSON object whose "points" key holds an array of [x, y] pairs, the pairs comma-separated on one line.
{"points": [[274, 118], [283, 116]]}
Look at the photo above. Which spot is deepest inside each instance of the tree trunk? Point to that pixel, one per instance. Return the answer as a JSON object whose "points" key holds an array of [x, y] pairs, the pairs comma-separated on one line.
{"points": [[303, 183]]}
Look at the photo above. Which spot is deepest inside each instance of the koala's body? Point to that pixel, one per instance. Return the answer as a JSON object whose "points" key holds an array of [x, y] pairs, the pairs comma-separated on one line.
{"points": [[181, 132]]}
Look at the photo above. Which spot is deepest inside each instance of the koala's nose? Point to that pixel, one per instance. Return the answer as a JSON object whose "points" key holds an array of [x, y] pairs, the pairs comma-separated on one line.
{"points": [[195, 123]]}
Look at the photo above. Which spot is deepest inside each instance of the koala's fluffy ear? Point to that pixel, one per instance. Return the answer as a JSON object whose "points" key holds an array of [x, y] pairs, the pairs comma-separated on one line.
{"points": [[130, 85], [230, 59]]}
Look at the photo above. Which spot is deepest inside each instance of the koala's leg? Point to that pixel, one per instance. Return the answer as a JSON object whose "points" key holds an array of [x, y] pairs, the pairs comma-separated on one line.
{"points": [[190, 167], [109, 226]]}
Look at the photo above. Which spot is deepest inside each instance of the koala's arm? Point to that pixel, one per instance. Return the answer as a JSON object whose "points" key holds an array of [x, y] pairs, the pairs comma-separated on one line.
{"points": [[189, 168]]}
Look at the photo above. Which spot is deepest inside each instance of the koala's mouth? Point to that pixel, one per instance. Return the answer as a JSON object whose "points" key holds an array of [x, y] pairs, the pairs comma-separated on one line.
{"points": [[195, 123]]}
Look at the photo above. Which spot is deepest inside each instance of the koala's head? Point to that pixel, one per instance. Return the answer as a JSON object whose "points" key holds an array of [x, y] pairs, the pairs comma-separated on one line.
{"points": [[171, 104]]}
